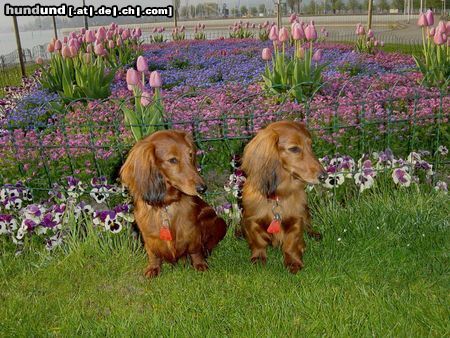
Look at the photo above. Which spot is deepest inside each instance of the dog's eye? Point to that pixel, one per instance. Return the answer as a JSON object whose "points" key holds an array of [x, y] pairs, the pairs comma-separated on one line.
{"points": [[173, 160], [294, 150]]}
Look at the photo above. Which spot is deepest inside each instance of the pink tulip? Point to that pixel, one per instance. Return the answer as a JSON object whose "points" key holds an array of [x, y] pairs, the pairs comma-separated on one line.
{"points": [[292, 18], [310, 32], [155, 80], [297, 32], [110, 35], [155, 30], [430, 17], [119, 42], [39, 61], [382, 43], [375, 43], [283, 35], [89, 48], [51, 48], [66, 52], [273, 35], [266, 54], [132, 77], [432, 32], [422, 22], [99, 50], [58, 45], [439, 38], [357, 29], [73, 51], [111, 44], [182, 29], [317, 55], [138, 32], [89, 36], [65, 39], [370, 34], [83, 31], [141, 64], [87, 58], [146, 98]]}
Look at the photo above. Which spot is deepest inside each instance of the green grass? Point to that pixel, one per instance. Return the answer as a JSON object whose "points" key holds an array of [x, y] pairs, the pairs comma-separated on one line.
{"points": [[386, 276], [12, 76]]}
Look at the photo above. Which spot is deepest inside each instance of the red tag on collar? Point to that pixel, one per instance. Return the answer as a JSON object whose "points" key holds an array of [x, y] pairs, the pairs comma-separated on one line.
{"points": [[274, 227], [164, 234]]}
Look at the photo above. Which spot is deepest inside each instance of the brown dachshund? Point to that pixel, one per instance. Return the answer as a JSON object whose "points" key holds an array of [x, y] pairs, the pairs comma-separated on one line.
{"points": [[161, 174], [279, 162]]}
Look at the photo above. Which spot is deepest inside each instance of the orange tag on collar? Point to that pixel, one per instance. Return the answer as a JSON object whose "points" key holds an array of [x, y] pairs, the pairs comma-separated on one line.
{"points": [[274, 227], [164, 234]]}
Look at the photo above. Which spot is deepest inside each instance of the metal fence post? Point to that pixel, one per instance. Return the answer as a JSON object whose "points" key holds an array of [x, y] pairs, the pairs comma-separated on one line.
{"points": [[19, 46]]}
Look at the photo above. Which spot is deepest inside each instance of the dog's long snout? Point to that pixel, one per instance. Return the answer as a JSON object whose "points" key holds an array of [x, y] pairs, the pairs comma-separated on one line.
{"points": [[323, 176], [201, 188]]}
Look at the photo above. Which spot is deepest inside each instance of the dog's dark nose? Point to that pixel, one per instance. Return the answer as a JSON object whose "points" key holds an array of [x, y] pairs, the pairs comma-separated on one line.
{"points": [[201, 188], [323, 176]]}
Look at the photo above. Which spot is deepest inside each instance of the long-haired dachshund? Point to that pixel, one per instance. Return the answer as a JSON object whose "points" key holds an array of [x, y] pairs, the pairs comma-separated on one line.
{"points": [[161, 174], [279, 162]]}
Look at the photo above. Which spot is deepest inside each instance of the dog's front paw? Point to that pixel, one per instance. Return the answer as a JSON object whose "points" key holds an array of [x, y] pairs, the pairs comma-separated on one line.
{"points": [[315, 235], [201, 266], [294, 267], [152, 271], [259, 259]]}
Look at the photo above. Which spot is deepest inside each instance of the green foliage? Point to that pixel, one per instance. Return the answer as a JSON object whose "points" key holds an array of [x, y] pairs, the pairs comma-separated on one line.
{"points": [[299, 76], [78, 77], [434, 63], [146, 116]]}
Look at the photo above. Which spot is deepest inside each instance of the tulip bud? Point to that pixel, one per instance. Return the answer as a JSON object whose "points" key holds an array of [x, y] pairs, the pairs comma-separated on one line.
{"points": [[301, 52], [83, 31], [87, 58], [438, 38], [132, 77], [146, 98], [89, 36], [39, 61], [422, 22], [51, 48], [317, 55], [432, 32], [111, 44], [155, 80], [58, 45], [141, 64], [89, 48], [283, 35], [310, 32], [273, 35], [66, 52], [266, 54], [297, 32], [119, 42], [430, 17], [73, 51], [370, 34], [99, 50]]}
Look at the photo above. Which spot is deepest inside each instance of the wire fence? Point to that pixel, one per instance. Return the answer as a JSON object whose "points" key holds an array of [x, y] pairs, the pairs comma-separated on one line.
{"points": [[90, 138]]}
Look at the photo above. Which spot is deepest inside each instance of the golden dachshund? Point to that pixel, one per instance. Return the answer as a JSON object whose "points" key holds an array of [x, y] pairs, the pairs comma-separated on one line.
{"points": [[279, 162], [161, 175]]}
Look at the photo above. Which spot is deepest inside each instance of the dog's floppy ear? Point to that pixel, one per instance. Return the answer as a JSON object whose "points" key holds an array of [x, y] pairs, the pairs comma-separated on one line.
{"points": [[141, 175], [261, 162]]}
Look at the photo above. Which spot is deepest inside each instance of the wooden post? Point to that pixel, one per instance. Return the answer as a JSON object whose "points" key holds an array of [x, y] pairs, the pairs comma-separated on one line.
{"points": [[55, 31], [86, 26], [19, 46], [369, 15]]}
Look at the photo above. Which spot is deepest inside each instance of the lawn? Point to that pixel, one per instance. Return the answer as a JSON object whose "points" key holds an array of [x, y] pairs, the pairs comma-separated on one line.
{"points": [[380, 270]]}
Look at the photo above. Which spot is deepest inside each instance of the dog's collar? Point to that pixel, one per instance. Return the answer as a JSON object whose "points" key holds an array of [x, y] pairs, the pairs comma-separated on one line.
{"points": [[164, 230], [274, 197]]}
